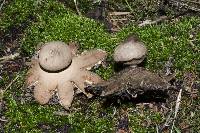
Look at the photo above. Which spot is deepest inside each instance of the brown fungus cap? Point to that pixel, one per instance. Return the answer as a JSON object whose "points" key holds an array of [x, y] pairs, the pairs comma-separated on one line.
{"points": [[131, 51], [55, 56]]}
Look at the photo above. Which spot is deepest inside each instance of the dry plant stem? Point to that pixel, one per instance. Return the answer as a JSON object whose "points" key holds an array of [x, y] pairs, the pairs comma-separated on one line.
{"points": [[3, 120], [167, 122], [9, 57], [129, 6], [4, 1], [178, 102], [122, 19], [9, 85], [193, 46], [114, 111], [194, 2], [149, 22], [61, 113], [157, 129], [118, 13], [162, 18], [75, 2], [2, 91], [1, 95]]}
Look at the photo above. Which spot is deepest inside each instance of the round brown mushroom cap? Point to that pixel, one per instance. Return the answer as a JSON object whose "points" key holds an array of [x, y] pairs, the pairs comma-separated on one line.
{"points": [[131, 51], [55, 56]]}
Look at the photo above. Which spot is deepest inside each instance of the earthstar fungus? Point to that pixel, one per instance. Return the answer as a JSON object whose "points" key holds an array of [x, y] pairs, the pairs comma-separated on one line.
{"points": [[130, 52], [55, 56], [133, 80], [58, 68]]}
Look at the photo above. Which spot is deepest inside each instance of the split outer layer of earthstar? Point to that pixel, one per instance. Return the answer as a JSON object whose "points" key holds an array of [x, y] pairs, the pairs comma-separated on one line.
{"points": [[60, 69]]}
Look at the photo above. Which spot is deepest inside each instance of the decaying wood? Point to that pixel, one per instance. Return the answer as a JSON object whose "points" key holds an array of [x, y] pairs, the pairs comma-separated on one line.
{"points": [[131, 81]]}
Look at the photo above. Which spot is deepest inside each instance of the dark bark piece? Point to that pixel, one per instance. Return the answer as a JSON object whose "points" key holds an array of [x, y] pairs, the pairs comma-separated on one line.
{"points": [[129, 82]]}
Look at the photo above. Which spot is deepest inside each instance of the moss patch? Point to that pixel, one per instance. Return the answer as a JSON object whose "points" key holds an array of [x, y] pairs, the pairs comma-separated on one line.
{"points": [[170, 39], [53, 21]]}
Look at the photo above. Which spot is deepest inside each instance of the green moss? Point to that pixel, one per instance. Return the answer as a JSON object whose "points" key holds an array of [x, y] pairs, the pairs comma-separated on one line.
{"points": [[15, 13], [163, 41], [91, 122], [30, 116], [53, 21], [168, 40], [67, 27], [21, 13]]}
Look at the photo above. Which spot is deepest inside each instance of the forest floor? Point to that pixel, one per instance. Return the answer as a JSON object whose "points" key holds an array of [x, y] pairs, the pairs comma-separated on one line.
{"points": [[173, 33]]}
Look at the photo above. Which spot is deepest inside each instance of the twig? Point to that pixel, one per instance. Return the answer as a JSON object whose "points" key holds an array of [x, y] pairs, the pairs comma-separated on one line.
{"points": [[167, 122], [118, 13], [9, 57], [115, 19], [150, 22], [157, 129], [193, 46], [114, 29], [9, 85], [184, 5], [3, 120], [190, 1], [129, 6], [114, 111], [178, 101], [1, 95], [162, 18], [75, 2], [2, 4], [61, 113]]}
